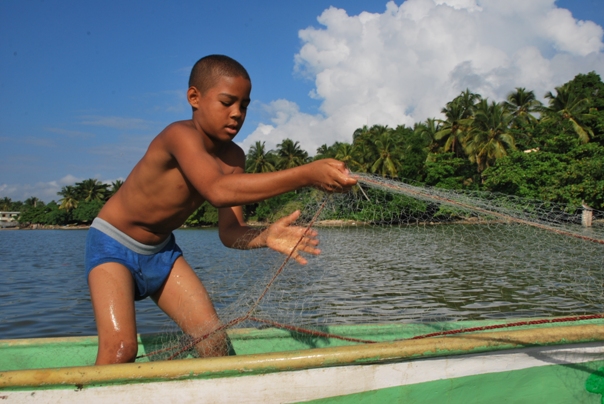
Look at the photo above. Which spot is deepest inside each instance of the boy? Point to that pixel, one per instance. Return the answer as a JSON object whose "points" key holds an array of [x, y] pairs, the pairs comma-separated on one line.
{"points": [[130, 250]]}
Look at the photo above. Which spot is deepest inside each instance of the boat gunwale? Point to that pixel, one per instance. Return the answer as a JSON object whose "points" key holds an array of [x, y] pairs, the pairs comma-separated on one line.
{"points": [[241, 365]]}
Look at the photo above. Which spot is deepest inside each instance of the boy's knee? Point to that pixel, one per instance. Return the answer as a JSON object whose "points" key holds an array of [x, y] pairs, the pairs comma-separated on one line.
{"points": [[120, 350], [218, 344]]}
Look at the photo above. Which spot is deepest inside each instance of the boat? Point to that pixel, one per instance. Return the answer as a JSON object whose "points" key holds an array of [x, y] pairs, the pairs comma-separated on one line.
{"points": [[527, 361]]}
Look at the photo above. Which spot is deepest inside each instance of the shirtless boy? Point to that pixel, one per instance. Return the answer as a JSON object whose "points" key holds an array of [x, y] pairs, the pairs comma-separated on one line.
{"points": [[131, 252]]}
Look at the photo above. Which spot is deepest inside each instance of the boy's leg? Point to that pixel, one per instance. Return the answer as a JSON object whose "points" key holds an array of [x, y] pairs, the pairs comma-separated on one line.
{"points": [[112, 293], [184, 298]]}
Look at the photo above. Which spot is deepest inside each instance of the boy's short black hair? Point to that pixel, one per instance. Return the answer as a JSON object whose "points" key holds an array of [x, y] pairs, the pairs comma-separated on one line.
{"points": [[208, 69]]}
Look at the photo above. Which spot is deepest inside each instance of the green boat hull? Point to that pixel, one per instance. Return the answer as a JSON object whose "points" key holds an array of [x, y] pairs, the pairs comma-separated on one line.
{"points": [[554, 363]]}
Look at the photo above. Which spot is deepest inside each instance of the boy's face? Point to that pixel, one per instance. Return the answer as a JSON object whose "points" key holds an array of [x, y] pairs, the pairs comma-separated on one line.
{"points": [[221, 110]]}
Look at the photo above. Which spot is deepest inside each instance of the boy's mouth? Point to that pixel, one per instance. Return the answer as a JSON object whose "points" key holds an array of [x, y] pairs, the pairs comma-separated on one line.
{"points": [[232, 129]]}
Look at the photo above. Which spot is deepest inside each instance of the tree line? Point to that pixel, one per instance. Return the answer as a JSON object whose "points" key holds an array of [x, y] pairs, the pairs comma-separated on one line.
{"points": [[518, 146], [79, 203]]}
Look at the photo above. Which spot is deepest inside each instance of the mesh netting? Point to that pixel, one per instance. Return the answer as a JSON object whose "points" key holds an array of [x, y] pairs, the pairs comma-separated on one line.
{"points": [[394, 252]]}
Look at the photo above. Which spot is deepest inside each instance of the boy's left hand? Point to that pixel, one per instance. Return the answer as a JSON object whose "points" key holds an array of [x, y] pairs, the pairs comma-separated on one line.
{"points": [[281, 236]]}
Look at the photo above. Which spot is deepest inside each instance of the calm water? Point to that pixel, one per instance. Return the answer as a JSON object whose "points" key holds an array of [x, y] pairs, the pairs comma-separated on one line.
{"points": [[364, 275]]}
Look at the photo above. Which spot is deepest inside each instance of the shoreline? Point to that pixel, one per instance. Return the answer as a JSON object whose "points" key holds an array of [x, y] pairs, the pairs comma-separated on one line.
{"points": [[48, 227], [318, 224]]}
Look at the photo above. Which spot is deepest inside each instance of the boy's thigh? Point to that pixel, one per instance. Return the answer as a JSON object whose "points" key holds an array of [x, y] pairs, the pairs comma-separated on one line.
{"points": [[112, 294], [184, 298]]}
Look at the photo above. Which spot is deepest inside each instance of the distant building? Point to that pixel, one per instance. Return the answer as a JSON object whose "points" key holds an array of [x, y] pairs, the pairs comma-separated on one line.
{"points": [[9, 219]]}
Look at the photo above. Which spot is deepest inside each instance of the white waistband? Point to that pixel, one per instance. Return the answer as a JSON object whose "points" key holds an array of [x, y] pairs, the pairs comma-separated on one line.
{"points": [[127, 241]]}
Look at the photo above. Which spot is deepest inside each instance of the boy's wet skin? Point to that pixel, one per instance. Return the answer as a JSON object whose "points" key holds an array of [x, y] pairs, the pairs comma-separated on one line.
{"points": [[218, 114], [188, 163]]}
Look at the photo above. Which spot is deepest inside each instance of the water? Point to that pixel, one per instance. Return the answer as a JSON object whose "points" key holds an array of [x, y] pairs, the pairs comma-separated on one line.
{"points": [[364, 275]]}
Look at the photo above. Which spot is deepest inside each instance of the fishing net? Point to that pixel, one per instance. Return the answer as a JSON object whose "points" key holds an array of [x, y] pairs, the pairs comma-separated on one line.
{"points": [[401, 253]]}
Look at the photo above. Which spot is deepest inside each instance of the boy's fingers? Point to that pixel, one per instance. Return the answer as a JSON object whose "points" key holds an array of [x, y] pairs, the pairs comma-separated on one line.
{"points": [[312, 250], [308, 247], [312, 233], [287, 220], [350, 181], [299, 259], [311, 241], [347, 179]]}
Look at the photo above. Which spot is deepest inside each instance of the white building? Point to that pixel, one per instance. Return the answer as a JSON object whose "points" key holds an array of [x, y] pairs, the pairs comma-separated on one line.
{"points": [[9, 219]]}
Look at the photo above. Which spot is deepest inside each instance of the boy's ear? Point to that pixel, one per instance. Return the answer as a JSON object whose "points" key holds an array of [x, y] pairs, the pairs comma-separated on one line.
{"points": [[193, 96]]}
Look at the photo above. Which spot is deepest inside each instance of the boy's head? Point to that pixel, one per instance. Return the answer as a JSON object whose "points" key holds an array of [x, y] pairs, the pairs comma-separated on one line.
{"points": [[219, 94], [209, 69]]}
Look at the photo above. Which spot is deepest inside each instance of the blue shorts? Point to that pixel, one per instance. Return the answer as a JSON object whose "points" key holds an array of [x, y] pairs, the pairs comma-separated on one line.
{"points": [[149, 265]]}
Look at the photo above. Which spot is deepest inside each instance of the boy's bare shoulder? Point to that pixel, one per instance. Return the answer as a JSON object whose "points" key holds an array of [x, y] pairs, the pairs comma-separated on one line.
{"points": [[179, 137], [184, 136], [181, 129]]}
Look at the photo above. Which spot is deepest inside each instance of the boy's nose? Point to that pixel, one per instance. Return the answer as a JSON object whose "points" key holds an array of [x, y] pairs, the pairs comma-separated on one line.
{"points": [[236, 113]]}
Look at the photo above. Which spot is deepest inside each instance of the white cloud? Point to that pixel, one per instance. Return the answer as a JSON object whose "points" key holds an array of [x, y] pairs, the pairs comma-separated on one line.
{"points": [[66, 180], [403, 65], [568, 35]]}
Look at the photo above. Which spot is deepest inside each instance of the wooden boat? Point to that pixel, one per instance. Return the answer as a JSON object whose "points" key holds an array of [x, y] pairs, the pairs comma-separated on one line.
{"points": [[555, 362]]}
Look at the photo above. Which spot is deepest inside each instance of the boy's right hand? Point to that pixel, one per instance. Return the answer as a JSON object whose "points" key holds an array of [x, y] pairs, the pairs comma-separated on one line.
{"points": [[331, 175], [282, 236]]}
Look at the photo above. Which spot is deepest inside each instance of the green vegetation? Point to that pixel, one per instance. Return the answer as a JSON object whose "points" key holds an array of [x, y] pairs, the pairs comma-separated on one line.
{"points": [[80, 203], [519, 146]]}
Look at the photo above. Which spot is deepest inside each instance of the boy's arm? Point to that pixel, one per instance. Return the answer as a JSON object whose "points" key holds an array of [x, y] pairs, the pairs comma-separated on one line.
{"points": [[280, 236], [236, 189]]}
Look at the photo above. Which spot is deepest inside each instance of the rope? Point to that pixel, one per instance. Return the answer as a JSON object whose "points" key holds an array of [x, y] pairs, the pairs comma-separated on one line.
{"points": [[508, 325]]}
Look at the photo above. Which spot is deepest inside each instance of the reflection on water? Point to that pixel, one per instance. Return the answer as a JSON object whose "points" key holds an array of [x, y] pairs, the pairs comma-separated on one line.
{"points": [[363, 276]]}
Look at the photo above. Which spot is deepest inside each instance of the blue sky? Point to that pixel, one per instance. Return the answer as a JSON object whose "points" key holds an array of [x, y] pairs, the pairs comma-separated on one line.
{"points": [[85, 86]]}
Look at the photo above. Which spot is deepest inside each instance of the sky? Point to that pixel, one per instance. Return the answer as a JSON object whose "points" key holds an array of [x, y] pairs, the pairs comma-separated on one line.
{"points": [[86, 85]]}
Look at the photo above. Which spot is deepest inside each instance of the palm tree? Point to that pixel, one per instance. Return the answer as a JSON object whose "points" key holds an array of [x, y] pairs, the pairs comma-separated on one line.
{"points": [[258, 160], [325, 152], [522, 104], [91, 190], [6, 203], [361, 138], [427, 131], [361, 133], [386, 147], [346, 153], [566, 105], [290, 154], [490, 136], [377, 150], [32, 201], [468, 101], [115, 186], [454, 129], [69, 200], [362, 143]]}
